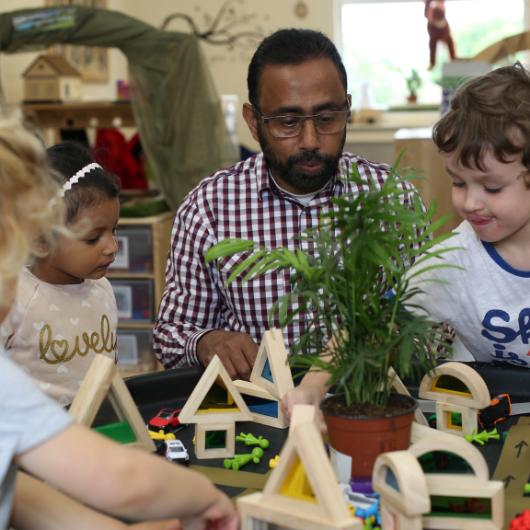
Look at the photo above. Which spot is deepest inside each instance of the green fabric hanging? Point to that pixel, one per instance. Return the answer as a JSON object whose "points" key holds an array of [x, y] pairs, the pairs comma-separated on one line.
{"points": [[175, 104]]}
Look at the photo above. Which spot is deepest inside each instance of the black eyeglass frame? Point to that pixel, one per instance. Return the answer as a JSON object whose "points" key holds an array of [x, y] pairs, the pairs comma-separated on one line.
{"points": [[302, 119]]}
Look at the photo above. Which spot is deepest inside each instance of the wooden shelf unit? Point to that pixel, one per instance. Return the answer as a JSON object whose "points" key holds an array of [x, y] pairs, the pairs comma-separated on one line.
{"points": [[159, 229], [80, 114]]}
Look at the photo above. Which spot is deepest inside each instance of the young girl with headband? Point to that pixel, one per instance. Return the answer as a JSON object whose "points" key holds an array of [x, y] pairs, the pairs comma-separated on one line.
{"points": [[74, 477], [65, 312]]}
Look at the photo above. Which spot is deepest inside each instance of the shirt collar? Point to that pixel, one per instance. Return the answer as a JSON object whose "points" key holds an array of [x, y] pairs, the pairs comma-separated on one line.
{"points": [[265, 182]]}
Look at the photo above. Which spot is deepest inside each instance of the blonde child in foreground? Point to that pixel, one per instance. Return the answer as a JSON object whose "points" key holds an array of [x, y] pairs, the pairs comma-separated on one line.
{"points": [[484, 141], [65, 311], [96, 475]]}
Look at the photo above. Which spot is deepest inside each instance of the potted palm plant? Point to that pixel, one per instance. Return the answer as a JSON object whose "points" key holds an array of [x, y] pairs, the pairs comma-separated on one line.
{"points": [[353, 293]]}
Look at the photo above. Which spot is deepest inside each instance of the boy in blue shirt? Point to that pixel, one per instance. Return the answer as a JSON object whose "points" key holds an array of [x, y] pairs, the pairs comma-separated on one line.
{"points": [[484, 141]]}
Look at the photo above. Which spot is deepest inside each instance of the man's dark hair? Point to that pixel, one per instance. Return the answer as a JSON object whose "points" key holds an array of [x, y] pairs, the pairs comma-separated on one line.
{"points": [[291, 46]]}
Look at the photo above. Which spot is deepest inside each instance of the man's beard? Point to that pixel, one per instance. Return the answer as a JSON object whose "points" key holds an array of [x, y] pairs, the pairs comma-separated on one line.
{"points": [[299, 180]]}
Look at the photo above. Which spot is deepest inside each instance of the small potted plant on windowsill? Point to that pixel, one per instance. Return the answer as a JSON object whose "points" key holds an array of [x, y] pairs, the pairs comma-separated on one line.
{"points": [[414, 83], [354, 290]]}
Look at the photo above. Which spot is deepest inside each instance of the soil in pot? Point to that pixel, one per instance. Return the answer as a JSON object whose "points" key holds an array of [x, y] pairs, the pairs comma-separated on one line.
{"points": [[359, 433]]}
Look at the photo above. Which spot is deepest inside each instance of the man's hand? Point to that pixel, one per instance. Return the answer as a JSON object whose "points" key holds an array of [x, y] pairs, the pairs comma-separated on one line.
{"points": [[237, 351]]}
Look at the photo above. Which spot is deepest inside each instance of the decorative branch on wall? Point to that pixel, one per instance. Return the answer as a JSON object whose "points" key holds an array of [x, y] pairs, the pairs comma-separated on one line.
{"points": [[222, 29]]}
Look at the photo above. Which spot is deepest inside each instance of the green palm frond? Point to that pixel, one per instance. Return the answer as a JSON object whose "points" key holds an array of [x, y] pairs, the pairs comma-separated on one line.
{"points": [[356, 281]]}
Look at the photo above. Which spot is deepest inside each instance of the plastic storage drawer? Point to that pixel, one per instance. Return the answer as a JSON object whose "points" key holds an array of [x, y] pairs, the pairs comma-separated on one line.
{"points": [[134, 299], [135, 249], [135, 349]]}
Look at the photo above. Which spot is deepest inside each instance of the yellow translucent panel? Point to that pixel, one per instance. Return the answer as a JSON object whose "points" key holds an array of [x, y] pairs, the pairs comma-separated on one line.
{"points": [[296, 484]]}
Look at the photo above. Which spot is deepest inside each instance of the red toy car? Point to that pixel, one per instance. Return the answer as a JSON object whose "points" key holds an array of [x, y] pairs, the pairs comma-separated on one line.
{"points": [[165, 419]]}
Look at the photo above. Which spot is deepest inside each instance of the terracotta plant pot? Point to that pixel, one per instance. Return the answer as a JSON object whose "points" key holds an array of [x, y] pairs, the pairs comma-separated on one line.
{"points": [[357, 441]]}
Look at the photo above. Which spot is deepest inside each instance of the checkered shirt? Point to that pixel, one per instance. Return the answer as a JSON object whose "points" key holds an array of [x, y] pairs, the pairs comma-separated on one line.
{"points": [[239, 202]]}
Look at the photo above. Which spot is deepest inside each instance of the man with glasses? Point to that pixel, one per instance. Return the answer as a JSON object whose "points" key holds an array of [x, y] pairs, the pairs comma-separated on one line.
{"points": [[298, 110]]}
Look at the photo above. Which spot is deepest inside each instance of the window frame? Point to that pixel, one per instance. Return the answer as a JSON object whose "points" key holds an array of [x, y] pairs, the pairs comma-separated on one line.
{"points": [[337, 18]]}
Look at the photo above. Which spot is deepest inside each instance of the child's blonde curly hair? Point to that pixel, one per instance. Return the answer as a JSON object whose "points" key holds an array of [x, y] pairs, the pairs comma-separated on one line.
{"points": [[30, 209]]}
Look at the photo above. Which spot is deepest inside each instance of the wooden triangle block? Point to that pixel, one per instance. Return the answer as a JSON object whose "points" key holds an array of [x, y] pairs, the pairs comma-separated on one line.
{"points": [[191, 413], [304, 444], [304, 414], [264, 407], [103, 380], [302, 491], [271, 370], [399, 387]]}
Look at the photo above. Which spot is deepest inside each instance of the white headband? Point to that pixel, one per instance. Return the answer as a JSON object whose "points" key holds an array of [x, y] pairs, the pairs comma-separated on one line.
{"points": [[79, 175]]}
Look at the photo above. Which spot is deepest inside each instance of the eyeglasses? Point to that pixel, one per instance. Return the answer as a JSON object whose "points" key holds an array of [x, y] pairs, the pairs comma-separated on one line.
{"points": [[289, 126]]}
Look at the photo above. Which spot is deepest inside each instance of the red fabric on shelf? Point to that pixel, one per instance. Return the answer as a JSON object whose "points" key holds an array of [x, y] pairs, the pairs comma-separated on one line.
{"points": [[121, 157]]}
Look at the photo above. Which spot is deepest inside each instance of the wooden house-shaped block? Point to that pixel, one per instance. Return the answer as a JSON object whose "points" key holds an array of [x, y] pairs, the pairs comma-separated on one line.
{"points": [[51, 78], [302, 492], [270, 380], [459, 392], [214, 406]]}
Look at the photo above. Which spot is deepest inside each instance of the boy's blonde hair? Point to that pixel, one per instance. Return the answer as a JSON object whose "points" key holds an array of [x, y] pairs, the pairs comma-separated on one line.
{"points": [[489, 112], [28, 212]]}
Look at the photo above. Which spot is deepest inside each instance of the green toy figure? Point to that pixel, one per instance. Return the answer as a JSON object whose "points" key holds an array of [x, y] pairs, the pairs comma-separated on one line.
{"points": [[239, 461], [250, 439], [483, 436]]}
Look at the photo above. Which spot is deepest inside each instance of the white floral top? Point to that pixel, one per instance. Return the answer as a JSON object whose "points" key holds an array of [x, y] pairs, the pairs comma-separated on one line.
{"points": [[54, 331]]}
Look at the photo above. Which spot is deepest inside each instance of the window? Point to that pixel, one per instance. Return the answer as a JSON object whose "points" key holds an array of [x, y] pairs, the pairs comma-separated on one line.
{"points": [[382, 41]]}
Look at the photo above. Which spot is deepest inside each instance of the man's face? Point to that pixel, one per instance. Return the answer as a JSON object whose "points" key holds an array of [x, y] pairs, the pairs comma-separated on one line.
{"points": [[306, 162]]}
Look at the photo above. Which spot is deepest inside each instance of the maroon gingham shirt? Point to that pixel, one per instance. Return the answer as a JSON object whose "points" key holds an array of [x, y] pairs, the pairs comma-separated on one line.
{"points": [[239, 202]]}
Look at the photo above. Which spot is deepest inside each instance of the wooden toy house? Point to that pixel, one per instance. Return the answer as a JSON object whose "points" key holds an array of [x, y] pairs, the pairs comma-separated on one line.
{"points": [[270, 380], [459, 392], [103, 380], [51, 78], [214, 406], [302, 492]]}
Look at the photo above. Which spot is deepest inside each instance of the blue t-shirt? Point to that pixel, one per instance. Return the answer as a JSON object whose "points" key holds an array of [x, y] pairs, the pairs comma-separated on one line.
{"points": [[27, 418]]}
